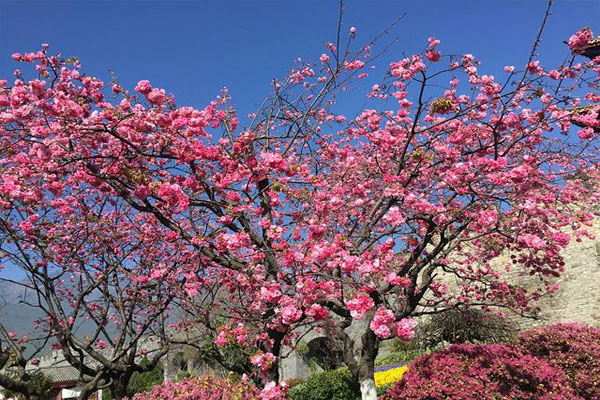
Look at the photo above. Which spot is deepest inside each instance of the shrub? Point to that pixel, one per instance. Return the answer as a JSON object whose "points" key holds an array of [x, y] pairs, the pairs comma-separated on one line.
{"points": [[206, 387], [140, 381], [144, 381], [40, 383], [573, 347], [402, 352], [330, 385], [463, 326], [483, 372]]}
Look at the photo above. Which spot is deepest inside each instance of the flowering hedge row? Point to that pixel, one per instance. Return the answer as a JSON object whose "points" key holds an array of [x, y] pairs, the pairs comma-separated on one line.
{"points": [[557, 362], [574, 348], [484, 372], [205, 387]]}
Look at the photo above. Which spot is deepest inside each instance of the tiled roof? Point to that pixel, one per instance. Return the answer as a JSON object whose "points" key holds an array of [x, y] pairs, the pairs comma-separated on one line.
{"points": [[61, 374]]}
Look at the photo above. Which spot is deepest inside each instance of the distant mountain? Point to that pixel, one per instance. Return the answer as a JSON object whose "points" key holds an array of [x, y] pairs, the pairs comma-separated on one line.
{"points": [[18, 317]]}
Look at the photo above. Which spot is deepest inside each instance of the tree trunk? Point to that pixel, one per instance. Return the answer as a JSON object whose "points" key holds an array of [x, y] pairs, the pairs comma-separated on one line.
{"points": [[367, 389], [362, 368], [366, 368], [119, 386]]}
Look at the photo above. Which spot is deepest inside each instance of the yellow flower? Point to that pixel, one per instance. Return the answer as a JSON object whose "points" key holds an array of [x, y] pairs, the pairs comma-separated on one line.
{"points": [[386, 378]]}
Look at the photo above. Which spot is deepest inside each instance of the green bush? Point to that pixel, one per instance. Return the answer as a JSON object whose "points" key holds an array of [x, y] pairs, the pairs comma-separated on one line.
{"points": [[402, 352], [330, 385], [140, 381], [463, 326], [181, 375], [39, 382], [144, 381]]}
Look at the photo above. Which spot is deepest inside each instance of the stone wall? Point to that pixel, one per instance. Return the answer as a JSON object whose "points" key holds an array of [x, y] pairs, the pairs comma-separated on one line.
{"points": [[578, 299]]}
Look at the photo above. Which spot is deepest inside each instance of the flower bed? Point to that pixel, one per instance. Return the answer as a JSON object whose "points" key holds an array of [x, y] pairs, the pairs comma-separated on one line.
{"points": [[389, 374], [205, 387], [483, 372]]}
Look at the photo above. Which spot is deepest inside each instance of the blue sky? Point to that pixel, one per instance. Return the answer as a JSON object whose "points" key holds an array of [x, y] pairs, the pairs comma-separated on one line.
{"points": [[194, 48]]}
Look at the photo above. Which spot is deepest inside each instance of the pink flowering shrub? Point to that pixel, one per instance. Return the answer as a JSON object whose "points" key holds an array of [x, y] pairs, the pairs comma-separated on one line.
{"points": [[573, 347], [483, 372], [205, 387]]}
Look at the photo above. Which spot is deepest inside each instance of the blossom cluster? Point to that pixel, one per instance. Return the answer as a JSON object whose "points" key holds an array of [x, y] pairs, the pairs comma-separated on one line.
{"points": [[580, 40]]}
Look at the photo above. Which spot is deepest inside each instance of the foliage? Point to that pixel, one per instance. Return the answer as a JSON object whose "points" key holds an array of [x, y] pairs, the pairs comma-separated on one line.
{"points": [[39, 384], [329, 385], [204, 387], [182, 375], [141, 381], [401, 353], [295, 381], [464, 326], [575, 348], [144, 381], [483, 372]]}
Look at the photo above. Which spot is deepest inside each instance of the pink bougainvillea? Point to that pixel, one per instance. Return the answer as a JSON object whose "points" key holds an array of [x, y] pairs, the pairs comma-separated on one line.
{"points": [[483, 372], [574, 348], [206, 387]]}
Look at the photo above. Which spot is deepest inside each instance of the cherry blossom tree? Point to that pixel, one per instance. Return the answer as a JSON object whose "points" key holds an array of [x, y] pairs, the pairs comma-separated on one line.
{"points": [[104, 280], [305, 217]]}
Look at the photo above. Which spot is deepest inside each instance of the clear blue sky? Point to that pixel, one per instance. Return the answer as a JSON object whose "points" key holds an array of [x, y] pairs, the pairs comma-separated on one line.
{"points": [[194, 48]]}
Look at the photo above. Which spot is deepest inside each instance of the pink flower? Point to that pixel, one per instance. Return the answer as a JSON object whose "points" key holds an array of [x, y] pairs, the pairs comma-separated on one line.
{"points": [[290, 314], [143, 87], [157, 97], [356, 64], [26, 227], [580, 40], [221, 339], [317, 312], [381, 322], [433, 42], [487, 218], [173, 195], [359, 306], [533, 242], [405, 328], [270, 292], [101, 344], [324, 58], [272, 391], [586, 133], [263, 360], [433, 55], [562, 239], [142, 192], [352, 32]]}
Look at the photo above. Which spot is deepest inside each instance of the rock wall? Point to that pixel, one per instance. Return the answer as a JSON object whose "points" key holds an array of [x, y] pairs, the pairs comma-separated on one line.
{"points": [[578, 299]]}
